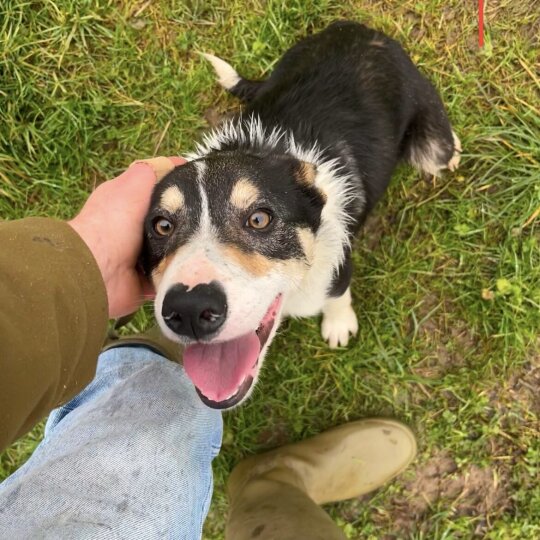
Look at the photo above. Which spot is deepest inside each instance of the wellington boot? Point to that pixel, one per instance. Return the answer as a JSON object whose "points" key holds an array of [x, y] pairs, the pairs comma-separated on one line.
{"points": [[339, 464]]}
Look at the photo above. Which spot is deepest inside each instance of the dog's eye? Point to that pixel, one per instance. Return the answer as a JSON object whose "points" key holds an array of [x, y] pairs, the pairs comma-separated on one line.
{"points": [[260, 219], [163, 226]]}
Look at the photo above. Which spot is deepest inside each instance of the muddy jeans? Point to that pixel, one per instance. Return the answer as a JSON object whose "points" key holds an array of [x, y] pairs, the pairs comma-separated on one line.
{"points": [[129, 457]]}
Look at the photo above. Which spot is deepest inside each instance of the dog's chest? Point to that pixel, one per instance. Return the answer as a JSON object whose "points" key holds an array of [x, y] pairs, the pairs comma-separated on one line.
{"points": [[305, 302]]}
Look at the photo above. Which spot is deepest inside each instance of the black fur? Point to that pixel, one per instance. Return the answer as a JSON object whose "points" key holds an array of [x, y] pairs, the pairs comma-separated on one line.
{"points": [[342, 277]]}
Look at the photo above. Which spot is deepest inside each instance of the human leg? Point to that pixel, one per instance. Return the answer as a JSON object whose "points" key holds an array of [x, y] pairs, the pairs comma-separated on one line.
{"points": [[129, 457]]}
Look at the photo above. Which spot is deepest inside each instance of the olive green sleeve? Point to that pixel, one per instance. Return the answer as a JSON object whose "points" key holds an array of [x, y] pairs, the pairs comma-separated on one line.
{"points": [[53, 320]]}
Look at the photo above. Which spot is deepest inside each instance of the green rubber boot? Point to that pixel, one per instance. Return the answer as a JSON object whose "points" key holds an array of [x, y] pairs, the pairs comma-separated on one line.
{"points": [[275, 496]]}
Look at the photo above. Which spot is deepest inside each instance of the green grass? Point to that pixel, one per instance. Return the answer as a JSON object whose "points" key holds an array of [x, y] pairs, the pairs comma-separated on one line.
{"points": [[447, 280]]}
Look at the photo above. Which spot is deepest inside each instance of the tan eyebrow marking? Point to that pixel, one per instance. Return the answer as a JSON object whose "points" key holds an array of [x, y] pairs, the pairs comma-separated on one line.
{"points": [[244, 194], [172, 199], [255, 263]]}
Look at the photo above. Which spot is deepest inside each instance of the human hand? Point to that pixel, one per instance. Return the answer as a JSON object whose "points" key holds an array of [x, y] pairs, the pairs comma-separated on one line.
{"points": [[111, 225]]}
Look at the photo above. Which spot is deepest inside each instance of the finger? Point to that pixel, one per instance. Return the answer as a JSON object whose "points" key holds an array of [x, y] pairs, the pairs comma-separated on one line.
{"points": [[177, 160], [139, 173], [161, 166]]}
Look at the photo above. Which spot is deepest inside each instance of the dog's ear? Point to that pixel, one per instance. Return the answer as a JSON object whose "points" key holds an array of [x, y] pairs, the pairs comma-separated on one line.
{"points": [[305, 173], [302, 173]]}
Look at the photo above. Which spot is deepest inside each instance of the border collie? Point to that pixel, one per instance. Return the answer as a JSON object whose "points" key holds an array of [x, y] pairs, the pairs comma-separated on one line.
{"points": [[258, 224]]}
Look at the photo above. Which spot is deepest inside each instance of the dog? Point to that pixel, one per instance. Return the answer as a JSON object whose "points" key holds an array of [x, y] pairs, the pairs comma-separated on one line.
{"points": [[258, 224]]}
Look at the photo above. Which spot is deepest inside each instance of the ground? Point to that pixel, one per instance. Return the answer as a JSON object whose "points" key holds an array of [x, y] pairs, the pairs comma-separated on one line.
{"points": [[446, 285]]}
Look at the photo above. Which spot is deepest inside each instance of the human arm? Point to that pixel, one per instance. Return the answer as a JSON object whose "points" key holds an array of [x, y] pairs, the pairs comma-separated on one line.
{"points": [[59, 282]]}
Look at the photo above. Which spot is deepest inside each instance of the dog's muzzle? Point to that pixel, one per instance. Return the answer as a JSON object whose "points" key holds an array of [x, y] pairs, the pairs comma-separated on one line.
{"points": [[196, 313]]}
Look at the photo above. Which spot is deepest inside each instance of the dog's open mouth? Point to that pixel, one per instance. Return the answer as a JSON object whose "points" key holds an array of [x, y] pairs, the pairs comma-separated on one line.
{"points": [[223, 372]]}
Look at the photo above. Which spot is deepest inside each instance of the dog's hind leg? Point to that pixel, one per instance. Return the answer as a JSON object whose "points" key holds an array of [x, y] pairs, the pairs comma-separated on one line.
{"points": [[430, 143], [244, 89]]}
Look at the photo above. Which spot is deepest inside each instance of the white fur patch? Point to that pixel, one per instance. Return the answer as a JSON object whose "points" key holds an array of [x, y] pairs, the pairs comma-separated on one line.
{"points": [[227, 75], [453, 164], [428, 157], [339, 320], [205, 224], [331, 239], [248, 132]]}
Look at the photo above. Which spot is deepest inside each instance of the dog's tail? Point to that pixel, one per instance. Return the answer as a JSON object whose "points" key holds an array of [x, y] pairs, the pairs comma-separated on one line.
{"points": [[242, 88]]}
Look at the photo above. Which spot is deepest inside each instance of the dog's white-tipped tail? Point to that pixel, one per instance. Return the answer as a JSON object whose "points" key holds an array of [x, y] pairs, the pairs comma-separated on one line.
{"points": [[227, 76]]}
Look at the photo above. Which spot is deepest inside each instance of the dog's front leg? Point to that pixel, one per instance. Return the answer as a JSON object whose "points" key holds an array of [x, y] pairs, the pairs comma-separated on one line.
{"points": [[339, 320]]}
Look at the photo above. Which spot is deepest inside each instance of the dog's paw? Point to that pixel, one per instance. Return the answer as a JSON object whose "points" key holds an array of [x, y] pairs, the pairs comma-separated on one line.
{"points": [[338, 325]]}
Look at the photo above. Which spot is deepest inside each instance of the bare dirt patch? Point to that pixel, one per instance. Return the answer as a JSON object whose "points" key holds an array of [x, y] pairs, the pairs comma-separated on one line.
{"points": [[523, 387], [374, 228], [482, 492], [275, 436], [214, 116], [445, 341], [516, 397]]}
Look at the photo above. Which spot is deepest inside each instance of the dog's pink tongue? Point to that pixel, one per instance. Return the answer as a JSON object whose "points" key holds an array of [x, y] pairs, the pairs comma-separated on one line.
{"points": [[218, 369]]}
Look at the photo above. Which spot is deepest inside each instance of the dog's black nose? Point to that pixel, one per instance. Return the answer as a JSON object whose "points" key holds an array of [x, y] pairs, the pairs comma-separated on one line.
{"points": [[195, 313]]}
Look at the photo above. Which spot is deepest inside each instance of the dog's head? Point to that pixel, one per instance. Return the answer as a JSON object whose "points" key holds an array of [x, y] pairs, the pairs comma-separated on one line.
{"points": [[227, 237]]}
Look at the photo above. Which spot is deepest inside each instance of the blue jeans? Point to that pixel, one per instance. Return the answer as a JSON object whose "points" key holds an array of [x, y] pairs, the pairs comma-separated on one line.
{"points": [[128, 458]]}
